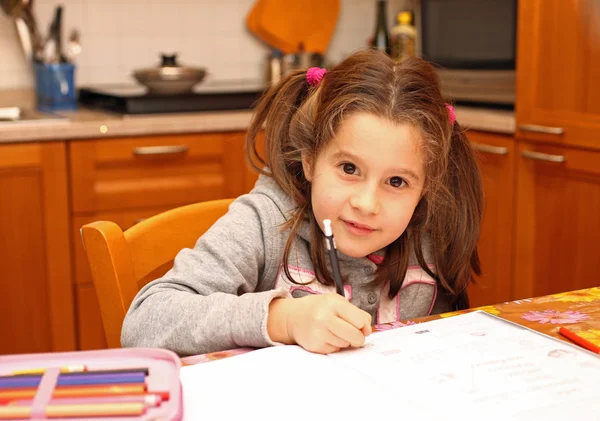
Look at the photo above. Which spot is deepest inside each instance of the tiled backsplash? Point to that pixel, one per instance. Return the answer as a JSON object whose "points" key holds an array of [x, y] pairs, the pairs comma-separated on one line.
{"points": [[118, 36]]}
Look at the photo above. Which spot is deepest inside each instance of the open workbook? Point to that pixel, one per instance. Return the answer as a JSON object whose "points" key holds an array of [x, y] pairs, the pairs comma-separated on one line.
{"points": [[473, 366]]}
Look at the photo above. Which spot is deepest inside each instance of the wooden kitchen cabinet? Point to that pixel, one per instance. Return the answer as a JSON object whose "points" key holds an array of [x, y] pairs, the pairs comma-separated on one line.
{"points": [[156, 171], [125, 180], [557, 217], [36, 304], [558, 63], [557, 220], [496, 159]]}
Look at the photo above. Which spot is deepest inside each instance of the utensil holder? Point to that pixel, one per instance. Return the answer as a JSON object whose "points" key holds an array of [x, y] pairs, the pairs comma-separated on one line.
{"points": [[55, 86]]}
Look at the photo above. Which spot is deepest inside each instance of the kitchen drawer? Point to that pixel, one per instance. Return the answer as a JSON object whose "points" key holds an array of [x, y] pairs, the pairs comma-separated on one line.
{"points": [[559, 159], [141, 172]]}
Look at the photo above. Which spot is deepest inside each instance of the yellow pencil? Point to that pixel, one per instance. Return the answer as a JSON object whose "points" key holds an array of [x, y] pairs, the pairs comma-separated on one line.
{"points": [[65, 369], [76, 410]]}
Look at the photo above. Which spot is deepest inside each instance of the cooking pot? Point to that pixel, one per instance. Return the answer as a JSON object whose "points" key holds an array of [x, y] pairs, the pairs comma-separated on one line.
{"points": [[169, 78]]}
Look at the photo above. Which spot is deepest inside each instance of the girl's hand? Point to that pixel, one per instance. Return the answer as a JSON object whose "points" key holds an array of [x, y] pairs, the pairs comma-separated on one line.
{"points": [[323, 323]]}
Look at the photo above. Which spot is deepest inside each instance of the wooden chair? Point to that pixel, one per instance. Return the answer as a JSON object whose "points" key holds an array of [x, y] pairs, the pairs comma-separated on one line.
{"points": [[123, 262]]}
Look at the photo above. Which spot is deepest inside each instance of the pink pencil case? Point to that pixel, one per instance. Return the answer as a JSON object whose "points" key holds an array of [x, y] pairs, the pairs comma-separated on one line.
{"points": [[163, 376]]}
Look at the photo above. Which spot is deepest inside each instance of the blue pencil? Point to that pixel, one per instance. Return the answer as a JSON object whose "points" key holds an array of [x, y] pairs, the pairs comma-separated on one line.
{"points": [[39, 372], [90, 379]]}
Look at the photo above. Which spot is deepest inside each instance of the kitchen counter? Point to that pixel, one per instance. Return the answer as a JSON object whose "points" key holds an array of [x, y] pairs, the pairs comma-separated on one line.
{"points": [[85, 123], [486, 119]]}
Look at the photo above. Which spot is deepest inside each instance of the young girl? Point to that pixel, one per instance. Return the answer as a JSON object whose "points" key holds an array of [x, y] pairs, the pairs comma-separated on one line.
{"points": [[370, 145]]}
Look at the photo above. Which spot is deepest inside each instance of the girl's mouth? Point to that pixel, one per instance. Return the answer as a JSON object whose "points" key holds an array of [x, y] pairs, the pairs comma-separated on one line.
{"points": [[358, 229]]}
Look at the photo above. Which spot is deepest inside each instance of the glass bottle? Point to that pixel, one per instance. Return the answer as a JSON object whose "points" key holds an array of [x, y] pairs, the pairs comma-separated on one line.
{"points": [[381, 40], [403, 37]]}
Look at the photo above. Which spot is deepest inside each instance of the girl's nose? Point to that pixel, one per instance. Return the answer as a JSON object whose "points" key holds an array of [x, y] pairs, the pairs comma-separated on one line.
{"points": [[366, 199]]}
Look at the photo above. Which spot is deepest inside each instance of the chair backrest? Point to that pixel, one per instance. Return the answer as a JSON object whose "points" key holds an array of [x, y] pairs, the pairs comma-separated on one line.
{"points": [[123, 262]]}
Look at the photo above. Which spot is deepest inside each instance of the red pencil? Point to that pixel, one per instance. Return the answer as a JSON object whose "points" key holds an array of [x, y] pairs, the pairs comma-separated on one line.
{"points": [[584, 343]]}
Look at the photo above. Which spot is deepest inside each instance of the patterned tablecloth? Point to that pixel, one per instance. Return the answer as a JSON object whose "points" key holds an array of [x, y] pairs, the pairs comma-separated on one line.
{"points": [[578, 310]]}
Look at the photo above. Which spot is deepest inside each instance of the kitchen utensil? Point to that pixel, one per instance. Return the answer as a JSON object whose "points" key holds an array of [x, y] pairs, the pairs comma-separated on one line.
{"points": [[170, 78], [21, 11], [24, 38], [278, 66], [58, 34], [285, 25], [55, 86], [73, 46], [52, 47], [327, 14], [253, 21], [31, 22]]}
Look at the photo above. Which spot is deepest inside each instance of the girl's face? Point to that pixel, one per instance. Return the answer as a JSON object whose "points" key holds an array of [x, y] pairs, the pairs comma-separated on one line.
{"points": [[368, 181]]}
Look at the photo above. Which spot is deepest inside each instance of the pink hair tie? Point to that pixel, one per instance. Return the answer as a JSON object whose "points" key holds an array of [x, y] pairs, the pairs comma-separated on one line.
{"points": [[451, 114], [314, 75]]}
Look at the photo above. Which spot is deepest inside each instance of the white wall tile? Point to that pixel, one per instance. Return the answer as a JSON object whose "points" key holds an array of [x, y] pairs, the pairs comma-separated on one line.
{"points": [[101, 17], [133, 18], [137, 51], [118, 36], [163, 18], [193, 52], [198, 19], [100, 50]]}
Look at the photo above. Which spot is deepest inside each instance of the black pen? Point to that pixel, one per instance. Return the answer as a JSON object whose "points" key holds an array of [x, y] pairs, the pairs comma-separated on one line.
{"points": [[337, 276]]}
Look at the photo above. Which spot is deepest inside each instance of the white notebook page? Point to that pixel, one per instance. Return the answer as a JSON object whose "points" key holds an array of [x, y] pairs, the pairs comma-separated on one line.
{"points": [[469, 367]]}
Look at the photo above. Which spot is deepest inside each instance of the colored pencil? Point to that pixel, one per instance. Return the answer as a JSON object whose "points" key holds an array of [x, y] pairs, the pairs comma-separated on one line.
{"points": [[83, 373], [149, 400], [82, 410], [76, 391], [65, 369], [584, 343], [63, 380], [82, 391]]}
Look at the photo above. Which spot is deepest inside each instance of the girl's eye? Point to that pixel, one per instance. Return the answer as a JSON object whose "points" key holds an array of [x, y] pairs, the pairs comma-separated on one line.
{"points": [[349, 168], [396, 182]]}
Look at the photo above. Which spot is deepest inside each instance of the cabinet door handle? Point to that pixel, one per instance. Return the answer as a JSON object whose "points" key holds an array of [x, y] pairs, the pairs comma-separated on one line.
{"points": [[496, 150], [161, 150], [543, 156], [541, 129]]}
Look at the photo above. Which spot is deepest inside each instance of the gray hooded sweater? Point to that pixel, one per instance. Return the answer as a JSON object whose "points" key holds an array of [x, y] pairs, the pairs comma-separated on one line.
{"points": [[217, 294]]}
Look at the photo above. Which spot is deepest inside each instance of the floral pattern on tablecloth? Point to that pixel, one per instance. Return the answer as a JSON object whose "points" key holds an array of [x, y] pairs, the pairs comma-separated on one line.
{"points": [[577, 310]]}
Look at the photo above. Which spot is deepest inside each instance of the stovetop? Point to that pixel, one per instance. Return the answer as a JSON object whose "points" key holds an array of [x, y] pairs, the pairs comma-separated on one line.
{"points": [[135, 99]]}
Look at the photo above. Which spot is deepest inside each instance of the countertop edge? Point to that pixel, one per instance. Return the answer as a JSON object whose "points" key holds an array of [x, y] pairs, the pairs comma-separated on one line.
{"points": [[111, 126], [99, 125]]}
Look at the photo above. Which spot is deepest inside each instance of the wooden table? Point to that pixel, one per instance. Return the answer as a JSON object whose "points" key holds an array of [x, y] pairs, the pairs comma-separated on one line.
{"points": [[578, 310]]}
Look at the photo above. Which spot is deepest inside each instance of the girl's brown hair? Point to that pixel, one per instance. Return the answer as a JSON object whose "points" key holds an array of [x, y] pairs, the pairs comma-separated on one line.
{"points": [[298, 118]]}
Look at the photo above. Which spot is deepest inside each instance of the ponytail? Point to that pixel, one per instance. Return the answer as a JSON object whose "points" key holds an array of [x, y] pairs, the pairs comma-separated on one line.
{"points": [[287, 113], [274, 112]]}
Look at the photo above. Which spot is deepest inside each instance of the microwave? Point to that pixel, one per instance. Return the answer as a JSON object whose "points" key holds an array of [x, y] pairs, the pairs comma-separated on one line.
{"points": [[473, 45]]}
